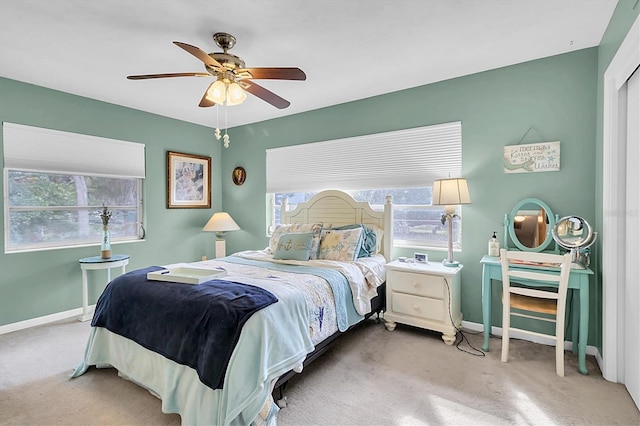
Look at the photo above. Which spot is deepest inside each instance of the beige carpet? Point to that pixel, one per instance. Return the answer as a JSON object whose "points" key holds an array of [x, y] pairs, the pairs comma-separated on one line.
{"points": [[372, 377]]}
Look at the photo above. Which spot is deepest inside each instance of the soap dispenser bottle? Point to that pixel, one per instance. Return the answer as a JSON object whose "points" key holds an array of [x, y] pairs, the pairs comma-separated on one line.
{"points": [[494, 246]]}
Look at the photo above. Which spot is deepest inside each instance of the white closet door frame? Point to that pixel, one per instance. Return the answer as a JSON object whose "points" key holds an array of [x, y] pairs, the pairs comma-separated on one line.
{"points": [[631, 368], [624, 63]]}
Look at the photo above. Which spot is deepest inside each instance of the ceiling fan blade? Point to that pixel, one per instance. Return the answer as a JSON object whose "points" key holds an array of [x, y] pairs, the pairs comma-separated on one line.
{"points": [[264, 94], [178, 74], [275, 73], [198, 53], [205, 101]]}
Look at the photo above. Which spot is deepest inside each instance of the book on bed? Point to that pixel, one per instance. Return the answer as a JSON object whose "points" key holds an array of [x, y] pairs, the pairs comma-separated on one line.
{"points": [[186, 275]]}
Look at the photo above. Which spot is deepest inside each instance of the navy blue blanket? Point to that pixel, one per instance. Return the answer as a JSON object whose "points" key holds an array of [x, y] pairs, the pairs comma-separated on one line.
{"points": [[193, 325]]}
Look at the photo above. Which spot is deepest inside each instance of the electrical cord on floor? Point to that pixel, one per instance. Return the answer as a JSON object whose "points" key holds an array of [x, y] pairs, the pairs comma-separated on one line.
{"points": [[473, 350]]}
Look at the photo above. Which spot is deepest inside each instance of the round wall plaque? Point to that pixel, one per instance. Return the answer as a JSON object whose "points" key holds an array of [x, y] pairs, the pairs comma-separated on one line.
{"points": [[239, 175]]}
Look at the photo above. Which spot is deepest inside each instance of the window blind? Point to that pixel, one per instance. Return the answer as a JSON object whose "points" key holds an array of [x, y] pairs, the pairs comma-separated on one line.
{"points": [[398, 159], [52, 151]]}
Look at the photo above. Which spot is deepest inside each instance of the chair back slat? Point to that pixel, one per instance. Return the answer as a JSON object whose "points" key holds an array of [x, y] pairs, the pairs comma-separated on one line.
{"points": [[530, 292], [536, 276]]}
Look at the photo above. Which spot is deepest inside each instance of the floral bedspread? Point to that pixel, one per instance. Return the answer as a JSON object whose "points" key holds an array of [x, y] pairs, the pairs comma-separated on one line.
{"points": [[317, 293]]}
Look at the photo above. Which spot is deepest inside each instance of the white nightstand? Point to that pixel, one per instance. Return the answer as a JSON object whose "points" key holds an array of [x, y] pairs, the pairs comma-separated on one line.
{"points": [[425, 295]]}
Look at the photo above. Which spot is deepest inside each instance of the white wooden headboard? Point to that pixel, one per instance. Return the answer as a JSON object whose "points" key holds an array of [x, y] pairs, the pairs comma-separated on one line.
{"points": [[336, 208]]}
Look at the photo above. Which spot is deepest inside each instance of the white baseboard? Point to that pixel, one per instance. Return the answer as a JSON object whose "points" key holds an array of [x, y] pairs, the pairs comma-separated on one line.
{"points": [[591, 350], [33, 322], [601, 363]]}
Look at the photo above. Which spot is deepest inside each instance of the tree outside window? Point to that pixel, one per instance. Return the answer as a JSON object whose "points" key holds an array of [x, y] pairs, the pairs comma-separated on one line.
{"points": [[58, 210]]}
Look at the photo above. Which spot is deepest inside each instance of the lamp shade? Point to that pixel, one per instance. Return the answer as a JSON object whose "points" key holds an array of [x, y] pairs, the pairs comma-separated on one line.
{"points": [[218, 92], [447, 192], [221, 222], [235, 94]]}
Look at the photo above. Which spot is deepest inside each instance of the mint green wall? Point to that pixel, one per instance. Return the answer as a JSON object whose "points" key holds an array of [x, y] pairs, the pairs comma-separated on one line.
{"points": [[625, 14], [555, 95], [47, 282]]}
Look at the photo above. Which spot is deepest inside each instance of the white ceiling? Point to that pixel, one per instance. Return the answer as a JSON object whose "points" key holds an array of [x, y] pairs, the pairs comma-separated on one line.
{"points": [[349, 49]]}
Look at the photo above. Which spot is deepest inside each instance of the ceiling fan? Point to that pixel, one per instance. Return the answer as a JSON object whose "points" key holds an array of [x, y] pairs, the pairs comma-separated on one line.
{"points": [[232, 77]]}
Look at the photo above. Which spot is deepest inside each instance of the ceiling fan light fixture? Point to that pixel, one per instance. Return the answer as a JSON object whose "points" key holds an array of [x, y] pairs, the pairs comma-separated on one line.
{"points": [[232, 78], [235, 94], [218, 92]]}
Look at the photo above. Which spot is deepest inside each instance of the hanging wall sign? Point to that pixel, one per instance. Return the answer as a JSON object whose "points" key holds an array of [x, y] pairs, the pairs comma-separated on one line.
{"points": [[535, 157]]}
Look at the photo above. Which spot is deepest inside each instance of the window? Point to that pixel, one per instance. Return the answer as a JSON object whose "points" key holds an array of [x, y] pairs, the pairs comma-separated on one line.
{"points": [[56, 184], [54, 210], [402, 163]]}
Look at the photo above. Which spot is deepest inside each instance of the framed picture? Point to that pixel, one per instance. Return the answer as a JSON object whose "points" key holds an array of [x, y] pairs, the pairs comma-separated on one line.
{"points": [[239, 175], [421, 257], [188, 181]]}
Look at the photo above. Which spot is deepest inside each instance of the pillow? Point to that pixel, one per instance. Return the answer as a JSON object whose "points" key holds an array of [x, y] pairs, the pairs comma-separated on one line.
{"points": [[278, 232], [369, 242], [297, 228], [379, 234], [368, 246], [294, 246], [342, 245]]}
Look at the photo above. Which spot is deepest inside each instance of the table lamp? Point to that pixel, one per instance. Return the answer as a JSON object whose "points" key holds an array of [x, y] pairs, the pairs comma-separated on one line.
{"points": [[220, 223], [449, 193]]}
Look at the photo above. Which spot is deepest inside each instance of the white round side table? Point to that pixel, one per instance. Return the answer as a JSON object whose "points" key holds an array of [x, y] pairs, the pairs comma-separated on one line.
{"points": [[97, 262]]}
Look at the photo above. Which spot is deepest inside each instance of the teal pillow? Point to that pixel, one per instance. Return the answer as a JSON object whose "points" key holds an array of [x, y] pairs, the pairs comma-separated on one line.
{"points": [[369, 242], [294, 246]]}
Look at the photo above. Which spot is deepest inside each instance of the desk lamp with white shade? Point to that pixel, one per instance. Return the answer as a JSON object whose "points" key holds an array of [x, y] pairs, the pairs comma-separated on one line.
{"points": [[220, 223], [449, 193]]}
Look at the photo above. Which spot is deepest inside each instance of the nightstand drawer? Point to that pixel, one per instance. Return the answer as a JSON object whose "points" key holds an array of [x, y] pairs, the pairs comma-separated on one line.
{"points": [[418, 284], [420, 307]]}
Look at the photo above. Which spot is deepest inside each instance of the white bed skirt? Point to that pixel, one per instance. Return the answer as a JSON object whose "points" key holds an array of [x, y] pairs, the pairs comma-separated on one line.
{"points": [[178, 386]]}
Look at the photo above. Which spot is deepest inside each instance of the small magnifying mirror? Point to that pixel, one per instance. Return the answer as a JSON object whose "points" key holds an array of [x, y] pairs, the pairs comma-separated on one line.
{"points": [[575, 234]]}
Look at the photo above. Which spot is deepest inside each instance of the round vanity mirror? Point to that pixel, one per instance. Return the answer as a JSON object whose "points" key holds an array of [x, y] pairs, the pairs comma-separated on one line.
{"points": [[530, 225]]}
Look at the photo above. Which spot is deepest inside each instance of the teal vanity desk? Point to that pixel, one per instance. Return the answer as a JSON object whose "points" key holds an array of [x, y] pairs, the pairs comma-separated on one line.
{"points": [[530, 227], [578, 280]]}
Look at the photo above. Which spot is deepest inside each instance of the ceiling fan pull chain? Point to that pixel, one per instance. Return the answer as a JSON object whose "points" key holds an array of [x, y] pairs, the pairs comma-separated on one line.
{"points": [[225, 139], [217, 132]]}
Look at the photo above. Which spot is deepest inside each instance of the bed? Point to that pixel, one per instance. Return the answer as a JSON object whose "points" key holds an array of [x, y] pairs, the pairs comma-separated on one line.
{"points": [[306, 305]]}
